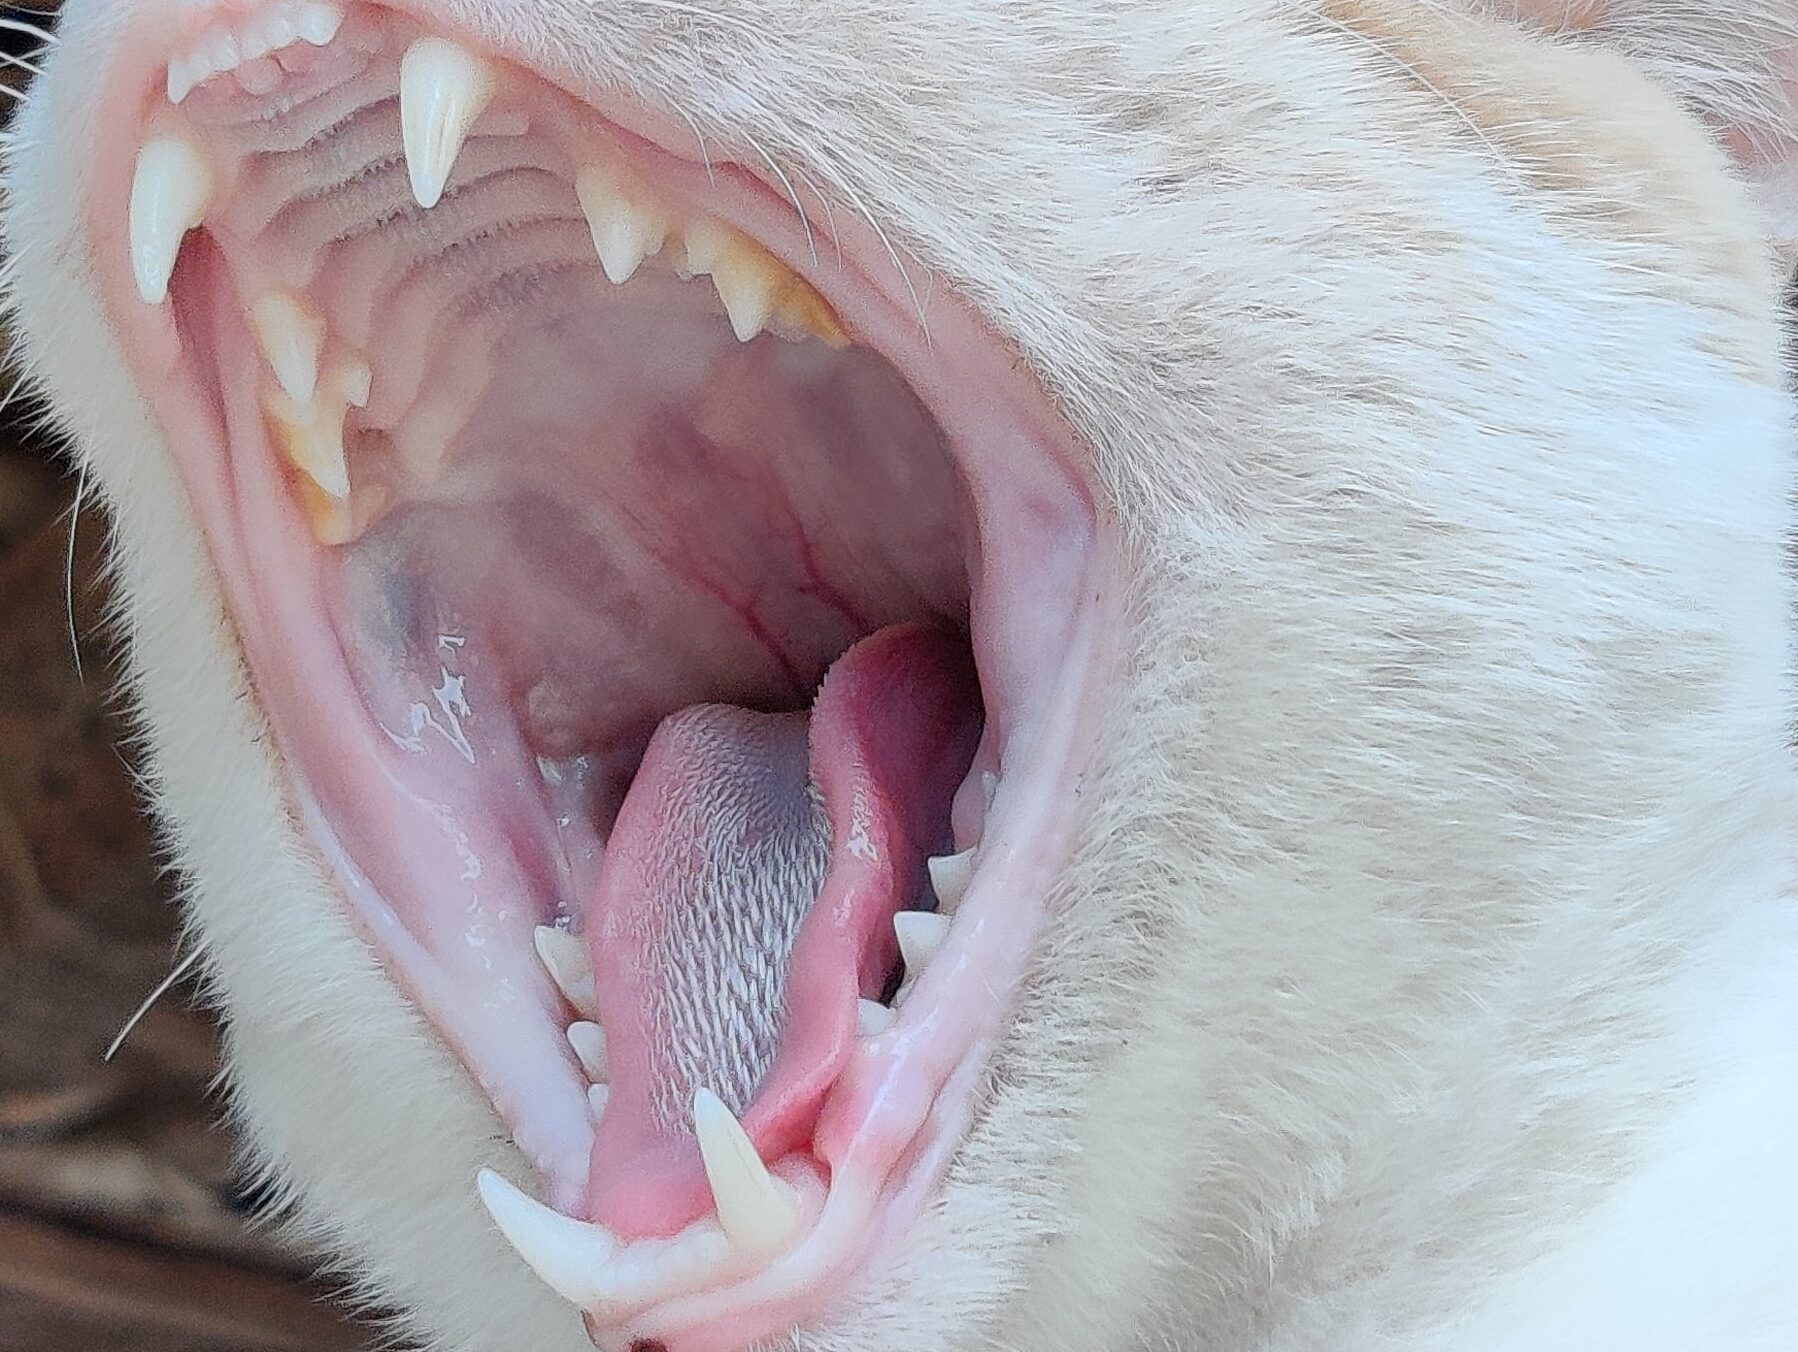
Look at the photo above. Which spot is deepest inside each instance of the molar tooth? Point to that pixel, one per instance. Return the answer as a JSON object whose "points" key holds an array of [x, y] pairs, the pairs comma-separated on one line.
{"points": [[565, 957], [624, 232], [872, 1017], [920, 935], [756, 1210], [949, 876], [570, 1256], [589, 1043], [597, 1094], [170, 194], [291, 333], [443, 89]]}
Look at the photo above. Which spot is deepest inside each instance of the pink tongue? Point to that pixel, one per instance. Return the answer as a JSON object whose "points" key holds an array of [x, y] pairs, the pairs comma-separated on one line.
{"points": [[747, 900]]}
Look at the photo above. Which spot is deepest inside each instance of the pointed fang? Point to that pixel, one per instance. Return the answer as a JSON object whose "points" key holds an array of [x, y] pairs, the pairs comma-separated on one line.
{"points": [[570, 1256], [443, 89], [170, 194], [755, 1209]]}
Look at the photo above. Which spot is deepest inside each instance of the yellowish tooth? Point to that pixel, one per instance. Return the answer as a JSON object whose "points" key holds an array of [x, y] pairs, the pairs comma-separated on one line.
{"points": [[746, 285], [171, 191], [625, 231], [589, 1043], [292, 334], [444, 88]]}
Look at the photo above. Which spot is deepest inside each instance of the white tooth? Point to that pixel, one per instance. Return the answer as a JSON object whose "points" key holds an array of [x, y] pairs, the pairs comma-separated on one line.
{"points": [[597, 1094], [292, 334], [920, 934], [589, 1043], [872, 1017], [318, 22], [624, 232], [443, 89], [170, 194], [183, 75], [949, 875], [566, 958], [570, 1256], [747, 291], [756, 1209]]}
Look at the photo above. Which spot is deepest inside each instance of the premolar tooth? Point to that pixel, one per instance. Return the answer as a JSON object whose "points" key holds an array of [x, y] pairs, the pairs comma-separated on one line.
{"points": [[949, 876], [746, 287], [624, 232], [566, 959], [920, 934], [292, 333], [443, 89], [872, 1017], [589, 1043], [170, 194], [570, 1256], [597, 1094], [755, 1209]]}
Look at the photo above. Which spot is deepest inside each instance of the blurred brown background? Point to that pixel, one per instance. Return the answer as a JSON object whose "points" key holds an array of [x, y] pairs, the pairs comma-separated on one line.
{"points": [[124, 1223]]}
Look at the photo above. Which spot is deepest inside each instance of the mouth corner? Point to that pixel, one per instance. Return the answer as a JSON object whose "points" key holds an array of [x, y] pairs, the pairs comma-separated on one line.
{"points": [[681, 645]]}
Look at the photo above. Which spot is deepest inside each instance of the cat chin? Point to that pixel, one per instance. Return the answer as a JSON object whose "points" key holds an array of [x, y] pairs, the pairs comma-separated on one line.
{"points": [[1429, 910]]}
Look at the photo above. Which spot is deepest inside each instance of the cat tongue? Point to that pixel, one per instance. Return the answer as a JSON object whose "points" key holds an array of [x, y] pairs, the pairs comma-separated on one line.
{"points": [[746, 902]]}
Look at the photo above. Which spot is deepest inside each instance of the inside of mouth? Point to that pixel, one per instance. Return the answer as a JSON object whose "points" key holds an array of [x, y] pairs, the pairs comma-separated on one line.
{"points": [[610, 588]]}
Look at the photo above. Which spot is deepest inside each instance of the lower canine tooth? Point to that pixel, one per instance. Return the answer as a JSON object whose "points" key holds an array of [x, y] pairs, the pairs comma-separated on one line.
{"points": [[291, 333], [566, 960], [755, 1209], [920, 934], [624, 232], [170, 194], [570, 1256]]}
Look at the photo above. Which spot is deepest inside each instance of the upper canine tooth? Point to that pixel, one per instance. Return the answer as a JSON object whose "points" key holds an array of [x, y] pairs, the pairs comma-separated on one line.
{"points": [[292, 334], [570, 1256], [755, 1209], [566, 958], [949, 875], [920, 934], [443, 89], [170, 194], [624, 232]]}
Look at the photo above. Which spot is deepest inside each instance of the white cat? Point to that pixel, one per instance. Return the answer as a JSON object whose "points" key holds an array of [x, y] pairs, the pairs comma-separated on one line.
{"points": [[1275, 508]]}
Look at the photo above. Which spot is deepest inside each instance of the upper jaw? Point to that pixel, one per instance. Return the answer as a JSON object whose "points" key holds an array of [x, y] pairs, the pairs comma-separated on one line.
{"points": [[899, 1108]]}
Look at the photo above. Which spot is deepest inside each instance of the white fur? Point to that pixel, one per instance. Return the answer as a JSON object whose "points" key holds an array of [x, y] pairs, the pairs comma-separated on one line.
{"points": [[1426, 979]]}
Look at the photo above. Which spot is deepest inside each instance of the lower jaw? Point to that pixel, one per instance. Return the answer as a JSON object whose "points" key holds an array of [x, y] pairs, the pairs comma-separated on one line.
{"points": [[1038, 608]]}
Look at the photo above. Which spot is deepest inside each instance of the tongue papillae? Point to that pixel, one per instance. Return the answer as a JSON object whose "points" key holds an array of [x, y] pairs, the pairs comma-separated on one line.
{"points": [[746, 902]]}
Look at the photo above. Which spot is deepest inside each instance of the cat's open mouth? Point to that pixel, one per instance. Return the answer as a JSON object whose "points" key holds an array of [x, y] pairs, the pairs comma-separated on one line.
{"points": [[676, 617]]}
